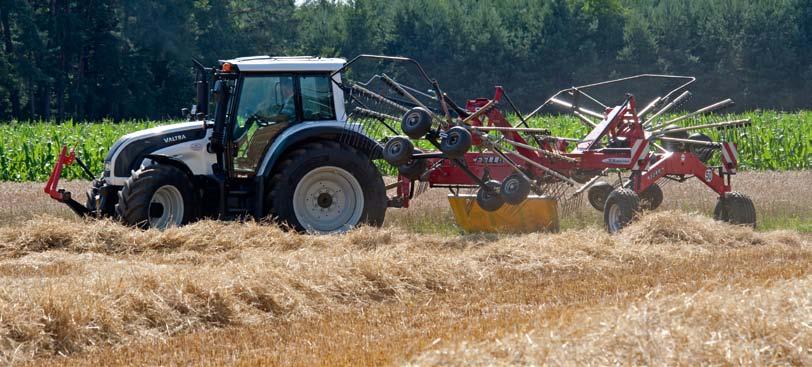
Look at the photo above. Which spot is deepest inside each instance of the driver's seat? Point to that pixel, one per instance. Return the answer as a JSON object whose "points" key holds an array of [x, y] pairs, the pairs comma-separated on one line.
{"points": [[256, 147]]}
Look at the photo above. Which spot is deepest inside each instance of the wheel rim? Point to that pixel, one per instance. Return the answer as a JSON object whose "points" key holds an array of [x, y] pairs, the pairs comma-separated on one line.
{"points": [[328, 199], [614, 218], [166, 207]]}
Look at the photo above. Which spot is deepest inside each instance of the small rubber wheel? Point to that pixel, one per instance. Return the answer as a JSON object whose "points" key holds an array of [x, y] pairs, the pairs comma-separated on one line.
{"points": [[158, 196], [488, 197], [651, 197], [704, 153], [455, 142], [598, 193], [622, 206], [416, 123], [515, 189], [414, 168], [398, 150], [674, 146], [735, 208]]}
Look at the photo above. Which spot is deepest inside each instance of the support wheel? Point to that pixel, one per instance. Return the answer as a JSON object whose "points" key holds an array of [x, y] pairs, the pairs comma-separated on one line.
{"points": [[416, 123], [651, 198], [515, 189], [398, 150], [598, 193], [488, 197], [622, 206], [674, 146], [735, 208], [327, 187], [704, 153], [159, 196], [455, 142], [414, 168]]}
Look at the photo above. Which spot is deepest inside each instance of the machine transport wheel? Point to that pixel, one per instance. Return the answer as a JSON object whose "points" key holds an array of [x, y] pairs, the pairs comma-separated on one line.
{"points": [[456, 142], [515, 189], [598, 193], [674, 146], [622, 206], [398, 150], [158, 196], [489, 198], [651, 197], [413, 168], [702, 152], [416, 122], [327, 187], [735, 208]]}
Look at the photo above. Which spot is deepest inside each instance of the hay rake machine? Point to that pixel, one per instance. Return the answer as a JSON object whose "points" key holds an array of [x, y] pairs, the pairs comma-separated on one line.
{"points": [[505, 177]]}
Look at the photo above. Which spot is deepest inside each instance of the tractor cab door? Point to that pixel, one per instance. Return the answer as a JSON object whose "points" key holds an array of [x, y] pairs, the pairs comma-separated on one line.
{"points": [[268, 104]]}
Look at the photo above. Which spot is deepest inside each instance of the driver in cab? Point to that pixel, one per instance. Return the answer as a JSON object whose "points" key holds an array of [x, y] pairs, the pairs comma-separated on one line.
{"points": [[263, 115]]}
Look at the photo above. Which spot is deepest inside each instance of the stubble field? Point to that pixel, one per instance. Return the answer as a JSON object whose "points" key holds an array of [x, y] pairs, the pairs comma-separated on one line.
{"points": [[674, 288]]}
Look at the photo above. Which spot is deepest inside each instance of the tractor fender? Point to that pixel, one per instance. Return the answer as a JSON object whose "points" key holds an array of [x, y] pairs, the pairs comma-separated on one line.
{"points": [[166, 160], [340, 131]]}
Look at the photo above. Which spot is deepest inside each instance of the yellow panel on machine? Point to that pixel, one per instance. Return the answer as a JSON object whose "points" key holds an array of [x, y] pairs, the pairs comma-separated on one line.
{"points": [[537, 213]]}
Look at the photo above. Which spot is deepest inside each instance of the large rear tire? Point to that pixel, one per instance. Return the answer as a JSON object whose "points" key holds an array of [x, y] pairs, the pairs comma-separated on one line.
{"points": [[158, 196], [735, 208], [622, 206], [327, 187]]}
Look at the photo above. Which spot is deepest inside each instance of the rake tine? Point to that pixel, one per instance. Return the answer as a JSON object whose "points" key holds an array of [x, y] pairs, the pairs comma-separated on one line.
{"points": [[716, 106], [649, 107], [718, 125], [667, 107]]}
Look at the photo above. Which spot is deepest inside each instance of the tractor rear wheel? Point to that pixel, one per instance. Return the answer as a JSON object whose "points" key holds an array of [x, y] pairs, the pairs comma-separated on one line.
{"points": [[735, 208], [327, 187], [622, 206], [651, 197], [598, 193], [158, 196]]}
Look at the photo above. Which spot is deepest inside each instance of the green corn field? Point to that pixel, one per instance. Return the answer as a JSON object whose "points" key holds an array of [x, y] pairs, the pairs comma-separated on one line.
{"points": [[775, 141]]}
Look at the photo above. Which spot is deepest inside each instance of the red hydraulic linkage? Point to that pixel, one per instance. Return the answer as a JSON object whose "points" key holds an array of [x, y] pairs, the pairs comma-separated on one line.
{"points": [[51, 188], [65, 159]]}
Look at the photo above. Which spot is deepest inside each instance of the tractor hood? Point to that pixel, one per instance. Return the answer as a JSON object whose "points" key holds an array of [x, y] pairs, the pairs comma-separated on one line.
{"points": [[127, 153]]}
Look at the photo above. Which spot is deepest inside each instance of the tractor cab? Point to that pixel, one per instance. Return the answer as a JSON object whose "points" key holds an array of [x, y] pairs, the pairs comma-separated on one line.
{"points": [[268, 95]]}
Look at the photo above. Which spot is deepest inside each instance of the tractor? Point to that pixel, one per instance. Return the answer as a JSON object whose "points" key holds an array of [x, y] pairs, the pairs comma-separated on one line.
{"points": [[279, 145]]}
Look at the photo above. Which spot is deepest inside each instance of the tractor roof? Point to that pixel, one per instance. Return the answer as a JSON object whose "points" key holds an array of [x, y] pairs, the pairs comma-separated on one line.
{"points": [[286, 63]]}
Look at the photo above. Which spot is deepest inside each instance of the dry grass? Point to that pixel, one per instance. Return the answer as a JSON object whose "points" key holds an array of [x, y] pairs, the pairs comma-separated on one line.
{"points": [[674, 288], [68, 290]]}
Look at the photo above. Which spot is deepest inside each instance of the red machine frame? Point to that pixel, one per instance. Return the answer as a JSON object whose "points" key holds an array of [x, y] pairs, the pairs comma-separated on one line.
{"points": [[620, 123]]}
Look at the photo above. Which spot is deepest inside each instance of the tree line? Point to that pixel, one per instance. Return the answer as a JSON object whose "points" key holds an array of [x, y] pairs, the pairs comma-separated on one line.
{"points": [[124, 59]]}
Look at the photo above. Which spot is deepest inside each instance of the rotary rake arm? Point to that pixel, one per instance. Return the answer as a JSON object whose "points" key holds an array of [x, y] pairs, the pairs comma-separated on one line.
{"points": [[475, 146]]}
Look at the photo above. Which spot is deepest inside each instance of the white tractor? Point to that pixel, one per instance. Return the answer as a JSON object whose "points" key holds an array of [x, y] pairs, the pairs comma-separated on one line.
{"points": [[279, 145]]}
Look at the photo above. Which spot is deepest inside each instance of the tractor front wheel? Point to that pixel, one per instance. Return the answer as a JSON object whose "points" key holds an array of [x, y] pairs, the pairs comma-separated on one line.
{"points": [[735, 208], [158, 196], [327, 187], [622, 206]]}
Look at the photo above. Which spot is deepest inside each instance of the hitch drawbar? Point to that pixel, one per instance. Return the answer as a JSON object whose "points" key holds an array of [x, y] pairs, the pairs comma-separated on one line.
{"points": [[60, 195]]}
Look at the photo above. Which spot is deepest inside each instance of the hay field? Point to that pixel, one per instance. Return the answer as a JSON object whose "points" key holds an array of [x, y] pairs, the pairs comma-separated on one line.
{"points": [[674, 288]]}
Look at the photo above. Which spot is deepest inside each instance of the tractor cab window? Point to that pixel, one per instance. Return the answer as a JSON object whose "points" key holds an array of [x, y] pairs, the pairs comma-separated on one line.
{"points": [[267, 105], [317, 98]]}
